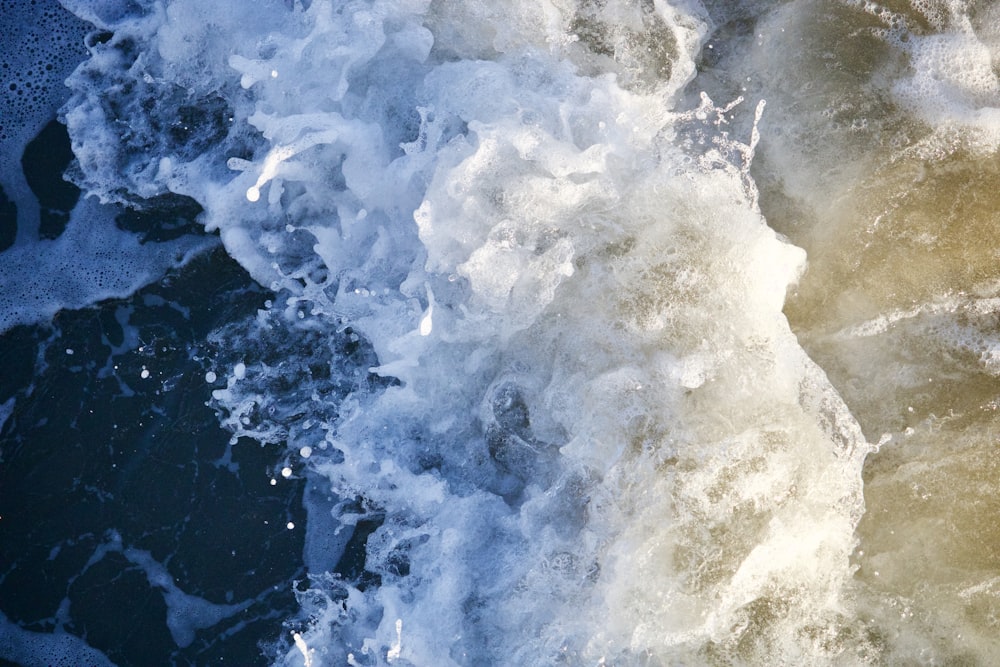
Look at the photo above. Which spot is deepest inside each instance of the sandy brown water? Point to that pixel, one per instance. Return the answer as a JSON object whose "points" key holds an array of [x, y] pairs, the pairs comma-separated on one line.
{"points": [[899, 305]]}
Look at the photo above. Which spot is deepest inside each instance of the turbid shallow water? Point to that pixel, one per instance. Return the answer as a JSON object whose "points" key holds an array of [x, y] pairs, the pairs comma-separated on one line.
{"points": [[584, 333]]}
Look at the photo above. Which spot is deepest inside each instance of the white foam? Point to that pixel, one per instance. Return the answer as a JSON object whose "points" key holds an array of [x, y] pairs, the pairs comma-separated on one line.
{"points": [[953, 80], [40, 44], [186, 614], [106, 14], [46, 649], [90, 261], [593, 379]]}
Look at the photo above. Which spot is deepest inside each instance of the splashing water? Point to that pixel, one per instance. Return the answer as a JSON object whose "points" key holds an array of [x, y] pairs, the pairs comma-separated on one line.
{"points": [[528, 345]]}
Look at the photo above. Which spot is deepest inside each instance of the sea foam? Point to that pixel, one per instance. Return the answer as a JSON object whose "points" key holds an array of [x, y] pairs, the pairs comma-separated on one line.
{"points": [[528, 324]]}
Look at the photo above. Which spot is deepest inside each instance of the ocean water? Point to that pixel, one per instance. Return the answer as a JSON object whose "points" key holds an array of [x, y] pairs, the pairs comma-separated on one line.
{"points": [[444, 332]]}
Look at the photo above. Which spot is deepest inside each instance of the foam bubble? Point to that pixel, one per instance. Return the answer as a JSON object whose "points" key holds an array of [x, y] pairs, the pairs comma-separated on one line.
{"points": [[528, 324], [43, 649], [92, 260], [952, 80], [40, 44]]}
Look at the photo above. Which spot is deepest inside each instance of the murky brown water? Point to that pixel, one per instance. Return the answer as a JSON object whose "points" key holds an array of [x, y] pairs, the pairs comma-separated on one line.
{"points": [[896, 198]]}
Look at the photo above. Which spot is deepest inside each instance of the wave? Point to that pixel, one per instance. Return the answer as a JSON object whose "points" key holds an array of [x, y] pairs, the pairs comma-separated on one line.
{"points": [[528, 344]]}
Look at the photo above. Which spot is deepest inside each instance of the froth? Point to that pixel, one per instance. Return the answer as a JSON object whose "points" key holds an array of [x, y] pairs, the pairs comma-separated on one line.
{"points": [[893, 194], [953, 79], [33, 649], [528, 327], [90, 261], [40, 44]]}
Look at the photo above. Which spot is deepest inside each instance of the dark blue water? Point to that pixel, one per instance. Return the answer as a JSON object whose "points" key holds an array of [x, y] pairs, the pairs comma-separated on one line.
{"points": [[113, 466], [94, 450]]}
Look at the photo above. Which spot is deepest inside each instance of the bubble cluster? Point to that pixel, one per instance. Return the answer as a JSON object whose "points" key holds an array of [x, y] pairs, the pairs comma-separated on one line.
{"points": [[41, 648], [91, 260], [40, 44], [526, 350]]}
